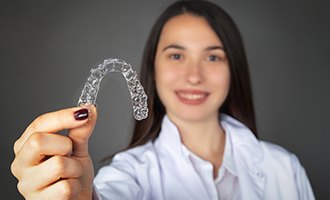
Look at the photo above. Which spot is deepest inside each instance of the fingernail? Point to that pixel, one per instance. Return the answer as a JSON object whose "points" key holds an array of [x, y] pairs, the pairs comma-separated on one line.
{"points": [[88, 105], [81, 114]]}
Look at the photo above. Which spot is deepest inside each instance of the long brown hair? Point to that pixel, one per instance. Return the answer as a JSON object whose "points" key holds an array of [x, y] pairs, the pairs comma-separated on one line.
{"points": [[239, 103]]}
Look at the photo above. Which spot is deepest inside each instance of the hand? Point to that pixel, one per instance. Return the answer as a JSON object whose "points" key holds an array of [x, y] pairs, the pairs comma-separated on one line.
{"points": [[53, 166]]}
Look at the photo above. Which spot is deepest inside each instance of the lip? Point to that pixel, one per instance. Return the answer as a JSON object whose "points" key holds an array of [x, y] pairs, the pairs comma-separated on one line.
{"points": [[192, 97]]}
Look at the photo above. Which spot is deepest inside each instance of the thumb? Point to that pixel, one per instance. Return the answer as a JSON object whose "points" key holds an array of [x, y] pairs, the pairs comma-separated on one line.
{"points": [[81, 135]]}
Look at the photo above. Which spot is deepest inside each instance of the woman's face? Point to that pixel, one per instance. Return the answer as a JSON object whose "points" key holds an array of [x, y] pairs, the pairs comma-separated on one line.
{"points": [[191, 69]]}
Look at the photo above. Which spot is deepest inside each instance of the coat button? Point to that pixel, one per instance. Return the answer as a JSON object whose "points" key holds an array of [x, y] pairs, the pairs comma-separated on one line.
{"points": [[260, 175]]}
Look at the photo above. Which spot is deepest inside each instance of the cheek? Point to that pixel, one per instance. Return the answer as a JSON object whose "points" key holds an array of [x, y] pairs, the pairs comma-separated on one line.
{"points": [[164, 76], [165, 80], [221, 79]]}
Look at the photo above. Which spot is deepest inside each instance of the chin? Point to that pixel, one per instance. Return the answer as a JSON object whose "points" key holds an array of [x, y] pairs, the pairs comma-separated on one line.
{"points": [[190, 116]]}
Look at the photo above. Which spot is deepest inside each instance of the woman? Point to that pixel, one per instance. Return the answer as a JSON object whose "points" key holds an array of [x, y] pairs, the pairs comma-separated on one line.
{"points": [[199, 141]]}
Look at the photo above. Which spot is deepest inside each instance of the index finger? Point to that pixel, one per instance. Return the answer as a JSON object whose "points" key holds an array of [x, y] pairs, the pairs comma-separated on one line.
{"points": [[53, 122]]}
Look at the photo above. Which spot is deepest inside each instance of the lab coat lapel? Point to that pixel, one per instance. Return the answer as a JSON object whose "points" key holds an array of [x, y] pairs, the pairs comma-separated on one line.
{"points": [[247, 155], [251, 179]]}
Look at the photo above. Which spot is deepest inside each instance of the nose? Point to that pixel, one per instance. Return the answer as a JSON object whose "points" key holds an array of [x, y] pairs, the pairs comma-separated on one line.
{"points": [[194, 73]]}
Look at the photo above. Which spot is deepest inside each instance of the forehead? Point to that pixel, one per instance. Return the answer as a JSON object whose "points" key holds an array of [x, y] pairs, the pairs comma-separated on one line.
{"points": [[189, 28]]}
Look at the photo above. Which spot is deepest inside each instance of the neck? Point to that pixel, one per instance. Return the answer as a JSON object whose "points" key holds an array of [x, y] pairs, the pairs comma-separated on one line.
{"points": [[206, 139]]}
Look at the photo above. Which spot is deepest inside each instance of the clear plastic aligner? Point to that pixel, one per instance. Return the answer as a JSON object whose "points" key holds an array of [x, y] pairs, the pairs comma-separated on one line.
{"points": [[92, 86]]}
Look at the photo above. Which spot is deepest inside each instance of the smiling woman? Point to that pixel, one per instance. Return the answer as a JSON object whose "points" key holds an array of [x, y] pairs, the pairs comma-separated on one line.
{"points": [[191, 70], [200, 139], [198, 142]]}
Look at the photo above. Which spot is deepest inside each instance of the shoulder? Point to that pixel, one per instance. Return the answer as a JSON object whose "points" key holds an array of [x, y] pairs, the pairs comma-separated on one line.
{"points": [[129, 165], [284, 167], [127, 173], [274, 149], [278, 156], [140, 154], [267, 154], [135, 159]]}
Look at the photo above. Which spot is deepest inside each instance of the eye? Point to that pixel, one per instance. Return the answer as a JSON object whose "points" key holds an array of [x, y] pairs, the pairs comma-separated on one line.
{"points": [[213, 58], [175, 56]]}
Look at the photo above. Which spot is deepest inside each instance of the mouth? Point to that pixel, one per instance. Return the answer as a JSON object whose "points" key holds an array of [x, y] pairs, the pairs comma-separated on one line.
{"points": [[192, 97]]}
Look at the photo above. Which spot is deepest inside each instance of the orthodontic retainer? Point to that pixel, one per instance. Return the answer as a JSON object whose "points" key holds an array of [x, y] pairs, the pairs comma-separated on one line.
{"points": [[92, 86]]}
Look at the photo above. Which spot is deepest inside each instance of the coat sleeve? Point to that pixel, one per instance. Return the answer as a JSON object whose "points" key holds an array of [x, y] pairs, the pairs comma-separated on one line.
{"points": [[116, 181], [304, 187]]}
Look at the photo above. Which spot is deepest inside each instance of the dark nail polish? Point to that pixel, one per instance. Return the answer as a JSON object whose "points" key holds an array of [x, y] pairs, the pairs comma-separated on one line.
{"points": [[81, 114]]}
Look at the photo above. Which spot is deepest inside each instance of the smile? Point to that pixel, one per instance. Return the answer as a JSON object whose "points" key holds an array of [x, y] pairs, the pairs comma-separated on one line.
{"points": [[192, 97]]}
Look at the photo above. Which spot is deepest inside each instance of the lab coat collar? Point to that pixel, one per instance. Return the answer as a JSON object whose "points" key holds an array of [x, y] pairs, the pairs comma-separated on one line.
{"points": [[242, 158], [238, 134], [247, 155], [242, 138], [169, 137]]}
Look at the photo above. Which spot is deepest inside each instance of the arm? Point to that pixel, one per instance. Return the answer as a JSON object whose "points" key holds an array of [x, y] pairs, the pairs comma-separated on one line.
{"points": [[304, 187], [117, 181]]}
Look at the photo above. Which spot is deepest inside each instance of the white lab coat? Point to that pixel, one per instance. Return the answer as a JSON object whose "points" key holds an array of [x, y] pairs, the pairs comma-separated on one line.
{"points": [[266, 171], [157, 170]]}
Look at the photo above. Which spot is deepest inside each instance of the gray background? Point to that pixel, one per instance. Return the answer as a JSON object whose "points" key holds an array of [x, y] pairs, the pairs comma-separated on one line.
{"points": [[48, 46]]}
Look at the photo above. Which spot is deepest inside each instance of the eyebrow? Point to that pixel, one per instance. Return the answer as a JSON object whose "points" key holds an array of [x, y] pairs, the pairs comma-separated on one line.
{"points": [[175, 46], [214, 48]]}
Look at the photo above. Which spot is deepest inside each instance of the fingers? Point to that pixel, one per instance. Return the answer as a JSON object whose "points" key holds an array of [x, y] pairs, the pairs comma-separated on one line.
{"points": [[45, 163], [40, 145], [61, 190], [54, 122], [52, 170], [80, 135], [64, 189]]}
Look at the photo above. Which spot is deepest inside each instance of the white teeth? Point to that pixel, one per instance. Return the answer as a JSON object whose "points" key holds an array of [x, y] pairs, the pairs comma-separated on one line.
{"points": [[192, 96]]}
